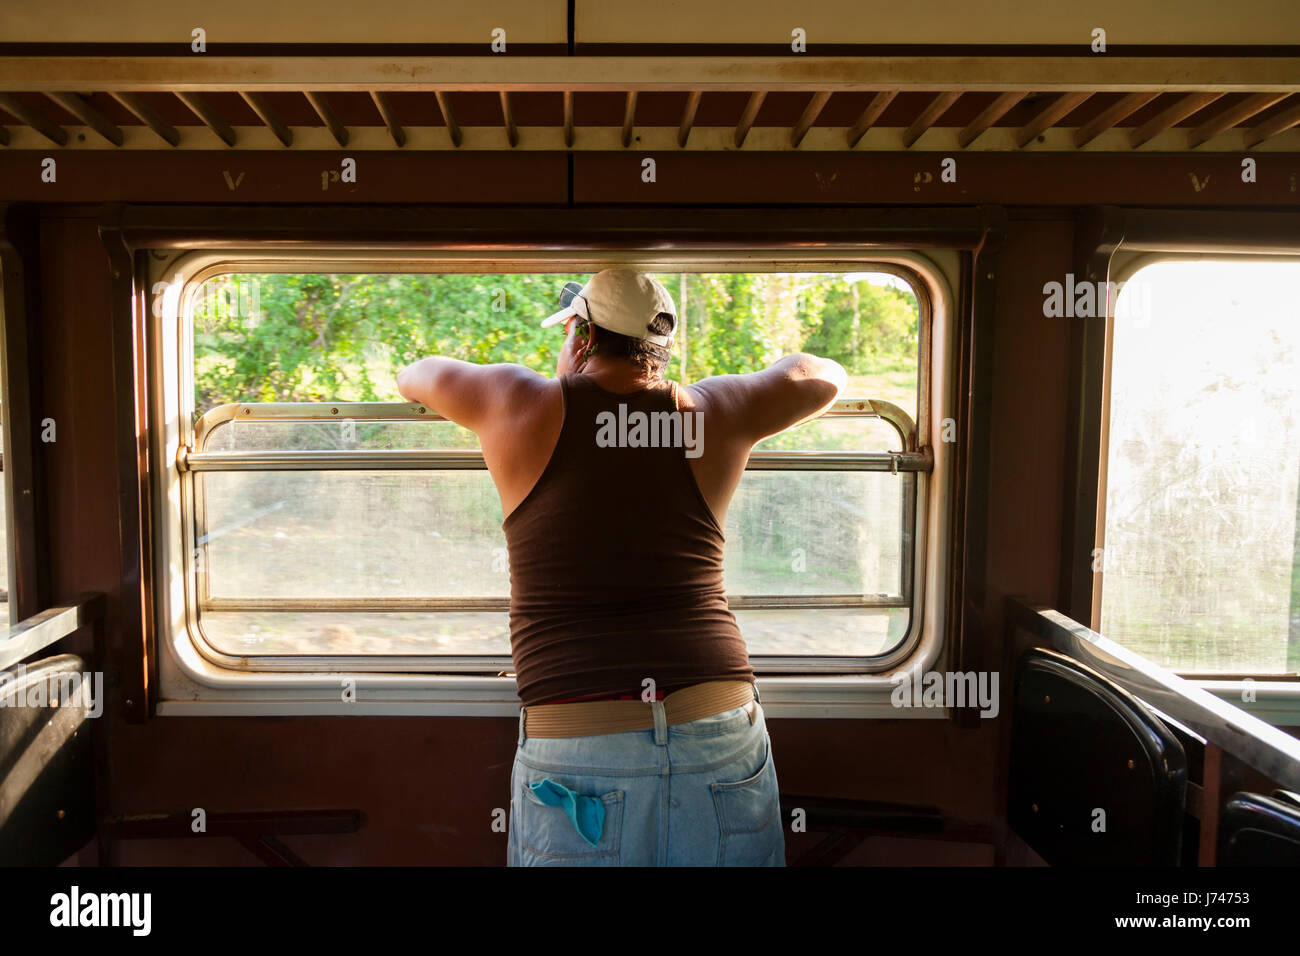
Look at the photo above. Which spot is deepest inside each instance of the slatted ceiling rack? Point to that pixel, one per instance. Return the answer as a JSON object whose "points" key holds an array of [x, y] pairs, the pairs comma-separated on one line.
{"points": [[1006, 104]]}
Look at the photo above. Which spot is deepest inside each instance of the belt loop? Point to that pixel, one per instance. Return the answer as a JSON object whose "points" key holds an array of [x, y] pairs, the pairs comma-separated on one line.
{"points": [[661, 722], [522, 733]]}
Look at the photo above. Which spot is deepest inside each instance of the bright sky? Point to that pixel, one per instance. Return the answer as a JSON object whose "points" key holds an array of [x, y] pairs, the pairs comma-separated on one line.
{"points": [[1188, 330]]}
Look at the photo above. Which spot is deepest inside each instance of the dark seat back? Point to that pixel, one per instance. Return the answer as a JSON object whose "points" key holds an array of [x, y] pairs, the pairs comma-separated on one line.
{"points": [[1255, 830], [47, 800], [1096, 778]]}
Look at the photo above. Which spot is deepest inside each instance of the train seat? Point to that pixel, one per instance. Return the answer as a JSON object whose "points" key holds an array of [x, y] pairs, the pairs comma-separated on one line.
{"points": [[1255, 830], [1095, 777], [47, 805]]}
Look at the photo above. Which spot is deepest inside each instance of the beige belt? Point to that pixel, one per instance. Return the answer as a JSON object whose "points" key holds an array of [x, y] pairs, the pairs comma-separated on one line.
{"points": [[592, 718]]}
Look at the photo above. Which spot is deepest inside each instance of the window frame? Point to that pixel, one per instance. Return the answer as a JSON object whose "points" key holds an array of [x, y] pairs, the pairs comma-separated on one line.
{"points": [[24, 496], [1277, 696], [192, 681], [6, 482]]}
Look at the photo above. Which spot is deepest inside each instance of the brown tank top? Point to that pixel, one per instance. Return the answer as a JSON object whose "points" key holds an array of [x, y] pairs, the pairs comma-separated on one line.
{"points": [[616, 558]]}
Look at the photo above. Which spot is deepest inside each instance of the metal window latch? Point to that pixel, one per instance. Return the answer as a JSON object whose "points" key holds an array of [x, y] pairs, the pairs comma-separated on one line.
{"points": [[893, 462], [183, 458]]}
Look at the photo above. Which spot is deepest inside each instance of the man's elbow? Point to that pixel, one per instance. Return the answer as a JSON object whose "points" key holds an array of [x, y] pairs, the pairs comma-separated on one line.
{"points": [[413, 381], [826, 376], [404, 383], [835, 374]]}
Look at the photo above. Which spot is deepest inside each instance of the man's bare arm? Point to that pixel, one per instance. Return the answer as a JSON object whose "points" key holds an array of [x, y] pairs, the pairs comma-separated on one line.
{"points": [[470, 395], [790, 391]]}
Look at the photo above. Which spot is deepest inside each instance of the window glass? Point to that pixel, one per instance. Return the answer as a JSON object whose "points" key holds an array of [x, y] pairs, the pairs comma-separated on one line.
{"points": [[1201, 565], [405, 562]]}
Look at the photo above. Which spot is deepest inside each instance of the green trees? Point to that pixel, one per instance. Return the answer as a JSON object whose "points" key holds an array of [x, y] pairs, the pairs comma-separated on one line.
{"points": [[314, 337], [865, 328]]}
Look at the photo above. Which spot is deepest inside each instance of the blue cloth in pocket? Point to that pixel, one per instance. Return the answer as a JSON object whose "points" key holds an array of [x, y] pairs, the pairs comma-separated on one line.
{"points": [[586, 813]]}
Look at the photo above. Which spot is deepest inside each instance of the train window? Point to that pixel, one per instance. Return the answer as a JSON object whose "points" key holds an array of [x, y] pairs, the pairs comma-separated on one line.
{"points": [[316, 536], [1201, 557], [310, 524]]}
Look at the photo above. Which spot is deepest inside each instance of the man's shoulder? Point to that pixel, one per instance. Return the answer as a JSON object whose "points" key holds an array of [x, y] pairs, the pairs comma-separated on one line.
{"points": [[513, 396], [518, 382], [513, 371]]}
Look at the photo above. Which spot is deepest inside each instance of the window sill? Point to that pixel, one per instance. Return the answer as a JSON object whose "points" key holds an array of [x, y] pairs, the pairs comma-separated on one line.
{"points": [[1276, 702], [836, 697]]}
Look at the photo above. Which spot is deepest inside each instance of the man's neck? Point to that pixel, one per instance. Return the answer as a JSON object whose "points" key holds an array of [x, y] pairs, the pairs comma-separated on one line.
{"points": [[618, 377]]}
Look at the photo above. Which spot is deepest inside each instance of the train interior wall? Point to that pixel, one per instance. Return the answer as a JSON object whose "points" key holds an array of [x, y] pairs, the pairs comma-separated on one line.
{"points": [[427, 786]]}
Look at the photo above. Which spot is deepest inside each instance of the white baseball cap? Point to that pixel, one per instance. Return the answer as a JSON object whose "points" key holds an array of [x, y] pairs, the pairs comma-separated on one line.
{"points": [[621, 300]]}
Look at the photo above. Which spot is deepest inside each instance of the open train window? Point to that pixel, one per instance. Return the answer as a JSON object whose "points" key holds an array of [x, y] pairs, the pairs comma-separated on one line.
{"points": [[1200, 557], [317, 525]]}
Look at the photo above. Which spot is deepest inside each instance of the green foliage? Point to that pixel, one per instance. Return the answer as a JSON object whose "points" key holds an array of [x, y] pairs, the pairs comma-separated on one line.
{"points": [[865, 327], [282, 337]]}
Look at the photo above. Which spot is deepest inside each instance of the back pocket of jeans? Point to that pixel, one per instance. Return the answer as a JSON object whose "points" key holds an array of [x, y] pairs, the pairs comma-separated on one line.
{"points": [[547, 837], [749, 818]]}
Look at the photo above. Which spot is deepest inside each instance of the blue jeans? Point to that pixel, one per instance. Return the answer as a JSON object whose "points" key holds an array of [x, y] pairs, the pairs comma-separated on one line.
{"points": [[702, 793]]}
